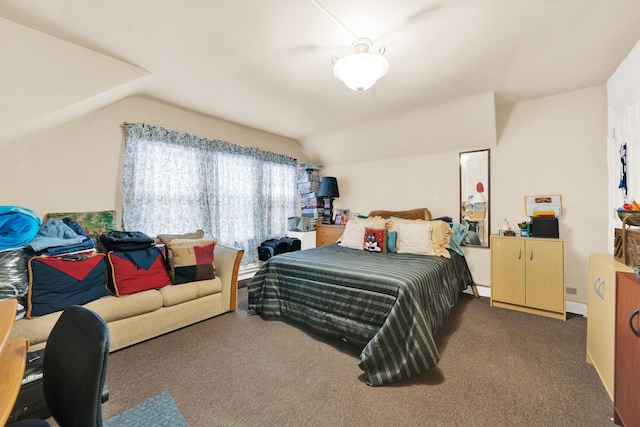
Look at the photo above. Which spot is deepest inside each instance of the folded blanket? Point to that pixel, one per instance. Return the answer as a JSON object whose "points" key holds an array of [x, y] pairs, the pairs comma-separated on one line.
{"points": [[17, 226], [54, 232]]}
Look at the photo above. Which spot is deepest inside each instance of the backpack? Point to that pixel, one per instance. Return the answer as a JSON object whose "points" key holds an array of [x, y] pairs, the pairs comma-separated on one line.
{"points": [[126, 240]]}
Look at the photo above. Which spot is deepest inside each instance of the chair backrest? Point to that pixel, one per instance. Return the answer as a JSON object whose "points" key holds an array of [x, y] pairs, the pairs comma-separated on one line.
{"points": [[75, 367]]}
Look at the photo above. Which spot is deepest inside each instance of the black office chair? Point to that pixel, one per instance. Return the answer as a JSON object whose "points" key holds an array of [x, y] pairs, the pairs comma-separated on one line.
{"points": [[74, 370]]}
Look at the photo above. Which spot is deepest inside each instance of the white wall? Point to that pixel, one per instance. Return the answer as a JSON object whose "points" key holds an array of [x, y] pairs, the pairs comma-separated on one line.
{"points": [[548, 146], [79, 167], [554, 145]]}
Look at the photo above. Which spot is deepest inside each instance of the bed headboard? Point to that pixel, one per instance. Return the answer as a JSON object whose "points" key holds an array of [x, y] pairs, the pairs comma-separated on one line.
{"points": [[419, 213]]}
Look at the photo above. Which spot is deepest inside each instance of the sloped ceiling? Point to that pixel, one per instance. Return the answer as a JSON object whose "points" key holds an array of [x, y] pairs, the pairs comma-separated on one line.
{"points": [[43, 76], [266, 64]]}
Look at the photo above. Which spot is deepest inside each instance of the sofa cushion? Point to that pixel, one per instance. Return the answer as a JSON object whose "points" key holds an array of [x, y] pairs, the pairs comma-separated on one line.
{"points": [[167, 238], [191, 260], [110, 308], [174, 295], [56, 283], [136, 271], [113, 308]]}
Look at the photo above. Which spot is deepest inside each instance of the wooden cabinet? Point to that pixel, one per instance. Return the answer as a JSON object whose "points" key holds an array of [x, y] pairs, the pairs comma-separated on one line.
{"points": [[327, 234], [527, 274], [601, 322], [627, 351]]}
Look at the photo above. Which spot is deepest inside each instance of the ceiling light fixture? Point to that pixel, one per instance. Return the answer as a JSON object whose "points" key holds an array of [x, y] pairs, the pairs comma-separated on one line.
{"points": [[362, 69]]}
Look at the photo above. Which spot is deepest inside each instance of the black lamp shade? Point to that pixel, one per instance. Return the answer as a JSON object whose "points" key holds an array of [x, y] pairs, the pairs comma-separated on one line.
{"points": [[328, 187]]}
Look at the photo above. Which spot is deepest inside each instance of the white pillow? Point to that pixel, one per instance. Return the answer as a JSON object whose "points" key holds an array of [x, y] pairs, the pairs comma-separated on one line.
{"points": [[353, 234], [415, 239]]}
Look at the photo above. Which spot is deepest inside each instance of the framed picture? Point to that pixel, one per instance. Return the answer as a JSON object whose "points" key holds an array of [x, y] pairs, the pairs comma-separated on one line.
{"points": [[341, 216], [549, 204]]}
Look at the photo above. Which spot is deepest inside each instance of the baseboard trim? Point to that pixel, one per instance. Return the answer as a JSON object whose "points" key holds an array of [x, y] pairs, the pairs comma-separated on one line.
{"points": [[577, 308], [483, 291], [571, 306]]}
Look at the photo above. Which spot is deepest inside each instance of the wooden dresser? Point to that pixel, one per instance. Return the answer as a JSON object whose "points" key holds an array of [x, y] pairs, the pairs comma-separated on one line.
{"points": [[13, 356], [626, 393], [327, 234], [601, 323]]}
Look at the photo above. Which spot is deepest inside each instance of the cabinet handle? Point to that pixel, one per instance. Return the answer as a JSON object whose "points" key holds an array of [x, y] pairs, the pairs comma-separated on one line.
{"points": [[635, 331], [519, 253], [597, 286], [530, 254]]}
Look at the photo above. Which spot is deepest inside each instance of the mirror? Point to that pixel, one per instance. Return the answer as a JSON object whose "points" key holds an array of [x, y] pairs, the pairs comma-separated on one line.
{"points": [[475, 196]]}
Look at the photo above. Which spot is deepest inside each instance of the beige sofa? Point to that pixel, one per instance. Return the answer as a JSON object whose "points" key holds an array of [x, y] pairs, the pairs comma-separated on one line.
{"points": [[144, 315]]}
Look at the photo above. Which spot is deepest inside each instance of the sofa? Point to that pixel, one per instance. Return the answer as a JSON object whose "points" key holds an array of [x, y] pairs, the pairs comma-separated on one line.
{"points": [[140, 316]]}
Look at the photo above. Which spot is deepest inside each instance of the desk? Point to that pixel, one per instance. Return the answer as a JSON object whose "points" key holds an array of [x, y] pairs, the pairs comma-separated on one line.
{"points": [[13, 356]]}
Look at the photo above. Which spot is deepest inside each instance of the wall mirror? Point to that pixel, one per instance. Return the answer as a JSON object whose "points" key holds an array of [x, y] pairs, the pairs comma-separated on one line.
{"points": [[475, 196]]}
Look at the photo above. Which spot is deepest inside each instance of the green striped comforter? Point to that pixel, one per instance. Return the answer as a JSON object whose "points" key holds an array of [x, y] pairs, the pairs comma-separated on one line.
{"points": [[388, 304]]}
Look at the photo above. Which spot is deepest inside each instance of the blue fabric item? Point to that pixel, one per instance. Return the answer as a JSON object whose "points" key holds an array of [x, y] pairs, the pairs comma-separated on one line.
{"points": [[75, 226], [392, 238], [17, 226], [89, 243], [459, 234], [54, 232], [86, 244], [160, 410]]}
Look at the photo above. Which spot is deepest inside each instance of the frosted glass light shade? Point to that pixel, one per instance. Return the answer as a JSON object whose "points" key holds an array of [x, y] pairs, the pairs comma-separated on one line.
{"points": [[360, 71]]}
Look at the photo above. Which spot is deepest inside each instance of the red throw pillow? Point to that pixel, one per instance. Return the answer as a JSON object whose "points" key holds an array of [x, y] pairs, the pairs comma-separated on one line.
{"points": [[136, 271]]}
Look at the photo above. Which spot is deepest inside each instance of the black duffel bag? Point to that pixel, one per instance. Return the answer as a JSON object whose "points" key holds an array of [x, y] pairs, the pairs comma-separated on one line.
{"points": [[293, 243], [126, 240], [273, 247]]}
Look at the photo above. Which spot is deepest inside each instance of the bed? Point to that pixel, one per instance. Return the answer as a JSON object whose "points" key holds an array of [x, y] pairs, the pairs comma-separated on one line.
{"points": [[389, 305]]}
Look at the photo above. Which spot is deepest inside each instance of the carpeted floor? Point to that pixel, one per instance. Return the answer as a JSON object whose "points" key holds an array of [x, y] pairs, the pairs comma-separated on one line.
{"points": [[498, 368]]}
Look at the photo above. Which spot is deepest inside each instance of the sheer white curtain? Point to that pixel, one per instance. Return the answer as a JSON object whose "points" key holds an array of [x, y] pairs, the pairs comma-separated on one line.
{"points": [[175, 183]]}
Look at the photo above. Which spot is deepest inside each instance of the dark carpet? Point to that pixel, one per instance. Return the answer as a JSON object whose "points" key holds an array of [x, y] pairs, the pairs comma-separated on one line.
{"points": [[498, 368]]}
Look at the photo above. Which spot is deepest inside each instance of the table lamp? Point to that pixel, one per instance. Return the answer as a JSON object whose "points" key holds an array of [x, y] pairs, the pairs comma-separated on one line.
{"points": [[328, 191]]}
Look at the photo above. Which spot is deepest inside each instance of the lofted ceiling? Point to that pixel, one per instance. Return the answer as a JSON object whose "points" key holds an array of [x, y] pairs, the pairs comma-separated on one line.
{"points": [[267, 64]]}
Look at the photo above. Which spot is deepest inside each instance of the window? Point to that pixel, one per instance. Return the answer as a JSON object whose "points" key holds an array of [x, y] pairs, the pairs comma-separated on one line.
{"points": [[176, 183]]}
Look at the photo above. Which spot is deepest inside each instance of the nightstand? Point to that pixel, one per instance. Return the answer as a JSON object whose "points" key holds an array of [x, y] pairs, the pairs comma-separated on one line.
{"points": [[327, 234]]}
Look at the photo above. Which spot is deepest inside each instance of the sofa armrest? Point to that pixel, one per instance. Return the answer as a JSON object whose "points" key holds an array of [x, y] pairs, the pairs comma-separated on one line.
{"points": [[227, 262]]}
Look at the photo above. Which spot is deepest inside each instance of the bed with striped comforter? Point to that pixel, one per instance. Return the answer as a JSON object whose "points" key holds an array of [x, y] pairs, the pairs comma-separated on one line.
{"points": [[390, 305]]}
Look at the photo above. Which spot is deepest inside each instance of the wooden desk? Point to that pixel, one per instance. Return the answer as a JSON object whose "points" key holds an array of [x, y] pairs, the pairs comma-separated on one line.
{"points": [[13, 356]]}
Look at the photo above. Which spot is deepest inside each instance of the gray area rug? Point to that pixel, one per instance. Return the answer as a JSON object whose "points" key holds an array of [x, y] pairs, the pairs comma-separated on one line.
{"points": [[159, 411]]}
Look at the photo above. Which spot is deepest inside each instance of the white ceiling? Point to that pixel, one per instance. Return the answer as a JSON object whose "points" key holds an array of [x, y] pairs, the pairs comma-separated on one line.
{"points": [[267, 64]]}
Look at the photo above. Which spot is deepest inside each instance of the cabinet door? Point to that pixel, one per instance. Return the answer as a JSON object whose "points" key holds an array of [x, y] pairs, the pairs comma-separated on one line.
{"points": [[508, 270], [545, 274], [627, 357], [601, 320]]}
